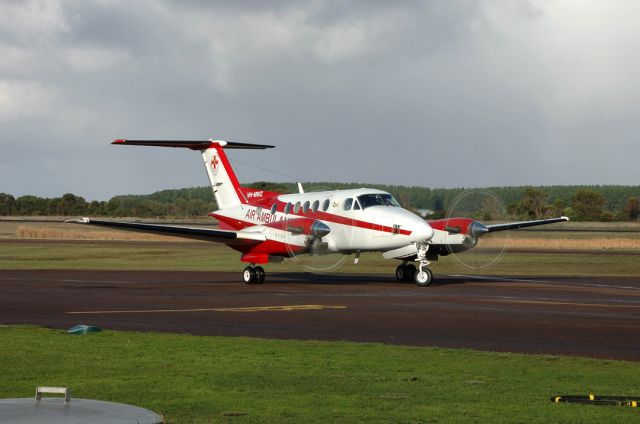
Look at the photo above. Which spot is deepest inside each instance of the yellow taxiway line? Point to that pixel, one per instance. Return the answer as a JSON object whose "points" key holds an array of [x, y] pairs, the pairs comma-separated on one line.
{"points": [[245, 309]]}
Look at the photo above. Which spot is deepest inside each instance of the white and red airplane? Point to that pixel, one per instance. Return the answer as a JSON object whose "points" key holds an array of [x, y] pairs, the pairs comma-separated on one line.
{"points": [[266, 226]]}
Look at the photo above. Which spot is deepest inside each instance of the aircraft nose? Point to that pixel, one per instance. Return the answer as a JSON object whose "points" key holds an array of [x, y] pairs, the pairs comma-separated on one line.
{"points": [[422, 232]]}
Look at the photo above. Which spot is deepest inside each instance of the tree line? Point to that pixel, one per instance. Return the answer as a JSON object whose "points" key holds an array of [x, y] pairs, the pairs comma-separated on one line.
{"points": [[580, 203]]}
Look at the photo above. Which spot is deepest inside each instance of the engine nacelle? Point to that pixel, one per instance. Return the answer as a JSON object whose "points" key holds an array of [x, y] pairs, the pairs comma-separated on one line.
{"points": [[307, 226], [302, 226], [457, 234], [465, 226]]}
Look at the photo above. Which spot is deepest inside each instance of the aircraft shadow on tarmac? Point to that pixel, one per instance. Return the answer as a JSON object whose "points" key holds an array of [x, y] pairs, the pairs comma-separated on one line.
{"points": [[347, 279], [443, 280]]}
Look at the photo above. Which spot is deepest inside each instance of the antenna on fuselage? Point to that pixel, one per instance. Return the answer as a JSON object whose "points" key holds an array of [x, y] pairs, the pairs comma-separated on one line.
{"points": [[300, 189]]}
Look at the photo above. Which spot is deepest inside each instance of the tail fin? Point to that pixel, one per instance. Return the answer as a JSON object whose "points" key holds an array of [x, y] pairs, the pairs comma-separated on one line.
{"points": [[224, 182]]}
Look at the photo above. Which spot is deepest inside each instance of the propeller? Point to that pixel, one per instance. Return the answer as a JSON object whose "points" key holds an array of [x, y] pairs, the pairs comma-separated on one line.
{"points": [[476, 206], [315, 232]]}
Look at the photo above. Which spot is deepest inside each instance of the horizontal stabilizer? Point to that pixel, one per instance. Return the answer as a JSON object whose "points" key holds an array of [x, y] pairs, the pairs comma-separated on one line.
{"points": [[191, 144]]}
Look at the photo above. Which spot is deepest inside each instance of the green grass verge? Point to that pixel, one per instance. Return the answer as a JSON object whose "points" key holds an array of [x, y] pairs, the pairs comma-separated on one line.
{"points": [[214, 257], [193, 379]]}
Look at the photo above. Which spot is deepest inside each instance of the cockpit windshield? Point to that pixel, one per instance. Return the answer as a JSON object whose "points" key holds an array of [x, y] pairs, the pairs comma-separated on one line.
{"points": [[377, 199]]}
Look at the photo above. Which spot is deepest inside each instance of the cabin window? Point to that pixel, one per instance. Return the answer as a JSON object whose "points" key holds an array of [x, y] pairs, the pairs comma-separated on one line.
{"points": [[325, 204], [305, 206], [296, 208], [287, 208], [356, 205], [347, 204], [274, 208], [315, 206]]}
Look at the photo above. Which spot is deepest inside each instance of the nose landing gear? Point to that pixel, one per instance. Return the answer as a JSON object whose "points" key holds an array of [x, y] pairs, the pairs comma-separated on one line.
{"points": [[253, 275], [422, 275]]}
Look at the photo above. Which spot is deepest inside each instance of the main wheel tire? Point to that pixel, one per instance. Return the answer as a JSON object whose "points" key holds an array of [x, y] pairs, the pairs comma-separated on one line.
{"points": [[410, 272], [423, 278], [260, 275], [249, 275], [401, 272]]}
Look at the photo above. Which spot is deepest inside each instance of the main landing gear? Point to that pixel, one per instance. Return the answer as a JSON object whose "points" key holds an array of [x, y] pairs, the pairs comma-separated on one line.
{"points": [[421, 275], [405, 272], [253, 275]]}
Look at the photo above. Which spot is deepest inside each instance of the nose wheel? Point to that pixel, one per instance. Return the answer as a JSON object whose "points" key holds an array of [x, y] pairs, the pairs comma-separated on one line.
{"points": [[253, 275], [423, 277]]}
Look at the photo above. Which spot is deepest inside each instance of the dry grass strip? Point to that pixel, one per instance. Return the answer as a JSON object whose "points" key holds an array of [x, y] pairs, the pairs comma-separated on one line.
{"points": [[49, 233], [592, 243]]}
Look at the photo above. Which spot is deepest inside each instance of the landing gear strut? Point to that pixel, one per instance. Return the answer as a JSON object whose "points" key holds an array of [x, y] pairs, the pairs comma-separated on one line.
{"points": [[253, 275], [424, 276]]}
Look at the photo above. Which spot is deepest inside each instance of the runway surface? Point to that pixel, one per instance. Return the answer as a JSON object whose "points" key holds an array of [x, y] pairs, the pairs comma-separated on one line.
{"points": [[597, 317]]}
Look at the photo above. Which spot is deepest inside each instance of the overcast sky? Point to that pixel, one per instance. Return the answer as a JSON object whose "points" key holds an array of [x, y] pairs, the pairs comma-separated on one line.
{"points": [[433, 93]]}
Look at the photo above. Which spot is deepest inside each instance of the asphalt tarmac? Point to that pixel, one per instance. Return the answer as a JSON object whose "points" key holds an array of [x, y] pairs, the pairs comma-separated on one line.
{"points": [[597, 317]]}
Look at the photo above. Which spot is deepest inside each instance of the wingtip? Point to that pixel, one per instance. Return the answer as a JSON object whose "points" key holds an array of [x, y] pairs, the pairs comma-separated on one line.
{"points": [[83, 220], [565, 218], [118, 141]]}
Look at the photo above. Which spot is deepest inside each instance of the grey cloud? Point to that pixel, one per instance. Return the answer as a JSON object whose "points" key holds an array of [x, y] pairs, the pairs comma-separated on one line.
{"points": [[433, 93]]}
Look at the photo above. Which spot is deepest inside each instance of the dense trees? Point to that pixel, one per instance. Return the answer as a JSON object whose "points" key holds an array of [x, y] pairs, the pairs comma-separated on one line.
{"points": [[534, 203], [600, 203], [588, 205], [631, 210], [6, 204]]}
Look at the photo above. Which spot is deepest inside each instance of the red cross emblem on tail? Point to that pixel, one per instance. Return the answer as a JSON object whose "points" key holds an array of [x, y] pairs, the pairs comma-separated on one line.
{"points": [[214, 162]]}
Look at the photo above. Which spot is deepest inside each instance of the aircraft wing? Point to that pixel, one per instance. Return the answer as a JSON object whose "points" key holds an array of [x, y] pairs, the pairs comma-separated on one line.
{"points": [[206, 234], [523, 224]]}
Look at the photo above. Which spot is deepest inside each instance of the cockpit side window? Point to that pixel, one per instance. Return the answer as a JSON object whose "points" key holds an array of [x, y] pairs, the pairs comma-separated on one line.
{"points": [[347, 204], [356, 205]]}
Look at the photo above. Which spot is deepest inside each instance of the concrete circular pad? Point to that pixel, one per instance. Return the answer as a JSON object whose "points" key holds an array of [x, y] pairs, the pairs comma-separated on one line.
{"points": [[56, 411]]}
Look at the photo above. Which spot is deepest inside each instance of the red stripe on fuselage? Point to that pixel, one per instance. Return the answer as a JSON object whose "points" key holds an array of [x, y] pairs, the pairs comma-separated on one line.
{"points": [[239, 224]]}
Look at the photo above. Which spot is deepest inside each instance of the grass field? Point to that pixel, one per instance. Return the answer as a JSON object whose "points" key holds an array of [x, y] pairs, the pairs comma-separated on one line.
{"points": [[192, 379], [213, 257]]}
